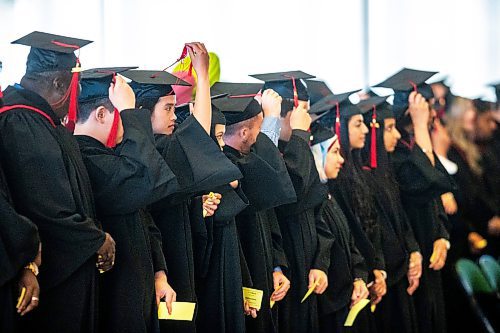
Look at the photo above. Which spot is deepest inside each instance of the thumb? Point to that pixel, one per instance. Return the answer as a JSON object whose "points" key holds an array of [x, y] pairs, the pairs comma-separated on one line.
{"points": [[311, 279]]}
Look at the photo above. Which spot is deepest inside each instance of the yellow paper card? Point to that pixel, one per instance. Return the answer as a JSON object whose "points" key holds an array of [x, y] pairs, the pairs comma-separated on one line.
{"points": [[351, 317], [253, 297], [309, 292], [373, 308], [180, 311]]}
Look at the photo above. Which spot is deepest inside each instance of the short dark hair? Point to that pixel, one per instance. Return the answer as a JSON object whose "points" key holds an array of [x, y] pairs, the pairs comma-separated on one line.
{"points": [[146, 103], [232, 129], [42, 81], [86, 108]]}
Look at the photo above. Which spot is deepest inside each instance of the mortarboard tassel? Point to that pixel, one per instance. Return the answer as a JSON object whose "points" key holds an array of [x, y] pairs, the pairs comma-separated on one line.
{"points": [[373, 146], [414, 86], [337, 119], [1, 97], [111, 142]]}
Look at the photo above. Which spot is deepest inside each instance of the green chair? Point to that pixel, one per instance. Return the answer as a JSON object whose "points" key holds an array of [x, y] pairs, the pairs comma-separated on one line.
{"points": [[491, 270], [475, 285]]}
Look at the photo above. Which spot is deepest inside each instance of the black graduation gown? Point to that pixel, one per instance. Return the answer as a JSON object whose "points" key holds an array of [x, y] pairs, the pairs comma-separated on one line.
{"points": [[306, 240], [199, 166], [220, 268], [267, 184], [421, 186], [125, 180], [396, 311], [50, 186], [347, 264], [19, 242]]}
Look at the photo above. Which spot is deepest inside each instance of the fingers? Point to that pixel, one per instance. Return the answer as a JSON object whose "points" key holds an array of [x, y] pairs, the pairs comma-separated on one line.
{"points": [[27, 300], [170, 297], [34, 300], [311, 280], [246, 308], [281, 292], [253, 313]]}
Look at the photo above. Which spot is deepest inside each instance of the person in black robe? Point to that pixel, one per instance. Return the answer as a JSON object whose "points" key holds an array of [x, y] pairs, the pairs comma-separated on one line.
{"points": [[348, 273], [396, 313], [306, 240], [218, 255], [50, 186], [19, 251], [198, 164], [127, 173], [422, 179], [266, 184]]}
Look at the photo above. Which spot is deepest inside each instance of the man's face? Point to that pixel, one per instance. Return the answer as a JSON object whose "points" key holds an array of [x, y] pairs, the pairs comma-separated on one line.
{"points": [[163, 115], [485, 125]]}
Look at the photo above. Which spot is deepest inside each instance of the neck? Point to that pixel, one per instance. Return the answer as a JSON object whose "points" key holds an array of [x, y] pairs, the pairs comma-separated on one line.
{"points": [[233, 142], [89, 130]]}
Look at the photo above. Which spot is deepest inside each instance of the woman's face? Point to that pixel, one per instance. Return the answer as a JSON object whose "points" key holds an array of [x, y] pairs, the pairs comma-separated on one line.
{"points": [[333, 161], [163, 116], [219, 134], [391, 134], [469, 120], [357, 132]]}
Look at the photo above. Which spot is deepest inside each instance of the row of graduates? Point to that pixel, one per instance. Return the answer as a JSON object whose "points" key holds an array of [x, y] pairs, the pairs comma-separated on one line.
{"points": [[126, 194]]}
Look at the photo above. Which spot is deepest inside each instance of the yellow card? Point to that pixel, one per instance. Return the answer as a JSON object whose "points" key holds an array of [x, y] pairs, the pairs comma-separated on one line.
{"points": [[373, 307], [21, 297], [351, 317], [180, 311], [309, 292], [271, 301], [253, 297]]}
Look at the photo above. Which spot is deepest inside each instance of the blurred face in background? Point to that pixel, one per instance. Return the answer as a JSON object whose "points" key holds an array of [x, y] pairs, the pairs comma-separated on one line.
{"points": [[485, 125]]}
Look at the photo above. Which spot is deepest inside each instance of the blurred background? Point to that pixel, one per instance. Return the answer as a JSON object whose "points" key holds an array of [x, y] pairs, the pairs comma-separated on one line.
{"points": [[349, 44]]}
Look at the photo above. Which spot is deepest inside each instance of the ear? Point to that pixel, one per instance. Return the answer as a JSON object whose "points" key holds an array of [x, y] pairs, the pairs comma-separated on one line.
{"points": [[100, 114], [59, 85], [244, 131]]}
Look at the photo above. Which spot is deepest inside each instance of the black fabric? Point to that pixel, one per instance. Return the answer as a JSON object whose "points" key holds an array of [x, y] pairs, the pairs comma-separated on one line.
{"points": [[50, 186], [124, 180], [267, 185], [306, 239], [421, 185], [347, 263]]}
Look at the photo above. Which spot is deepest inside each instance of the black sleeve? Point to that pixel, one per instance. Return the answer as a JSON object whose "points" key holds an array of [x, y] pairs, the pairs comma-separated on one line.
{"points": [[359, 269], [134, 175], [409, 235], [159, 263], [279, 256], [202, 232], [325, 241]]}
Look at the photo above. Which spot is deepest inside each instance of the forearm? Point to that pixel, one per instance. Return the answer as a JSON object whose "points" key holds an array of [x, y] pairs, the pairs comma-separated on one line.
{"points": [[203, 105]]}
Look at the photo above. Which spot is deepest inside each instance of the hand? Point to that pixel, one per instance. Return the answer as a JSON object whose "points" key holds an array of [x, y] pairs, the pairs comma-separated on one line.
{"points": [[234, 184], [494, 226], [449, 203], [199, 58], [418, 110], [438, 257], [300, 119], [281, 286], [210, 203], [320, 278], [379, 288], [31, 297], [413, 285], [415, 265], [164, 290], [106, 254], [359, 292], [249, 311], [271, 103], [476, 242], [121, 94]]}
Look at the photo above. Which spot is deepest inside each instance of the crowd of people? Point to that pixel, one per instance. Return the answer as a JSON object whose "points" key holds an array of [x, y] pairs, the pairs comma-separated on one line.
{"points": [[115, 198]]}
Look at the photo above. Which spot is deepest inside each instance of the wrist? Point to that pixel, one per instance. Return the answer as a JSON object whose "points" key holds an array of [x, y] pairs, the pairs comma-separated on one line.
{"points": [[160, 274], [33, 268]]}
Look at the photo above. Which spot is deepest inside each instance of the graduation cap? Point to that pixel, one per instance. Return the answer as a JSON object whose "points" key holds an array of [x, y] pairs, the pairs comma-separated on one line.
{"points": [[405, 81], [319, 133], [95, 82], [317, 90], [182, 111], [56, 53], [288, 85], [152, 84], [95, 85], [483, 106], [496, 86], [239, 104]]}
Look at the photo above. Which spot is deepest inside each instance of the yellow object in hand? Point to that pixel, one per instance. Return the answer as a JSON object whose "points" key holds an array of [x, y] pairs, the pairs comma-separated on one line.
{"points": [[211, 195], [21, 297], [309, 292]]}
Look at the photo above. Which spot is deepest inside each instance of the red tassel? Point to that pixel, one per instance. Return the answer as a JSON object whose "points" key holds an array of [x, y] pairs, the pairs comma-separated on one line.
{"points": [[73, 97], [337, 120], [111, 142], [413, 85], [373, 146]]}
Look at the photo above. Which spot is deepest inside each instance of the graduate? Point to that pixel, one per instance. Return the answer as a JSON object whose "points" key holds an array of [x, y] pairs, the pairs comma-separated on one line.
{"points": [[266, 184], [348, 273], [197, 162], [127, 173], [306, 240], [357, 201], [422, 180], [221, 269], [50, 185], [20, 256], [403, 261]]}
